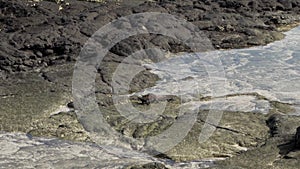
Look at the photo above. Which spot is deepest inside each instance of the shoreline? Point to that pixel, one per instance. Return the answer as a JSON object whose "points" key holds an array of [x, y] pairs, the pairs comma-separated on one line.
{"points": [[43, 79]]}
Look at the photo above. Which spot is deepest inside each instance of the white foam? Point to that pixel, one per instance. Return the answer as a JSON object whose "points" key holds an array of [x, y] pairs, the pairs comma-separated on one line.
{"points": [[272, 71], [236, 103]]}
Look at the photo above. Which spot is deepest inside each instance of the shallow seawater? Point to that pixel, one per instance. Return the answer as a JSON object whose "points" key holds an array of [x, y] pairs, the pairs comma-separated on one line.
{"points": [[22, 151], [272, 71]]}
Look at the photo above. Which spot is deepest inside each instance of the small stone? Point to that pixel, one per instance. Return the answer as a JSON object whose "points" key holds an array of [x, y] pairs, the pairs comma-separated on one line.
{"points": [[229, 28], [28, 63], [39, 54], [29, 136], [21, 68], [219, 28], [49, 51]]}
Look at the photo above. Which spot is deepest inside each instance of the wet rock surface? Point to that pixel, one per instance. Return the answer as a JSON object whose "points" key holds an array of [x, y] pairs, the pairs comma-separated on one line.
{"points": [[22, 151], [279, 151], [25, 151], [40, 42]]}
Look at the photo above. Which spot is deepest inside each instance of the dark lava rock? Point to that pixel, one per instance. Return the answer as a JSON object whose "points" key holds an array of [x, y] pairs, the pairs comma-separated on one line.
{"points": [[38, 34], [282, 125], [149, 166], [274, 124], [297, 138], [70, 105], [151, 98]]}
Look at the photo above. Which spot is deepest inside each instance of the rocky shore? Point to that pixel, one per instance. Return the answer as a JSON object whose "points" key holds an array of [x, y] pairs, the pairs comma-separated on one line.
{"points": [[40, 43]]}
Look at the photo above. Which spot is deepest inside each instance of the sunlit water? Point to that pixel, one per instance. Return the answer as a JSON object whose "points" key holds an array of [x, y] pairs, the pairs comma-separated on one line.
{"points": [[272, 71]]}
